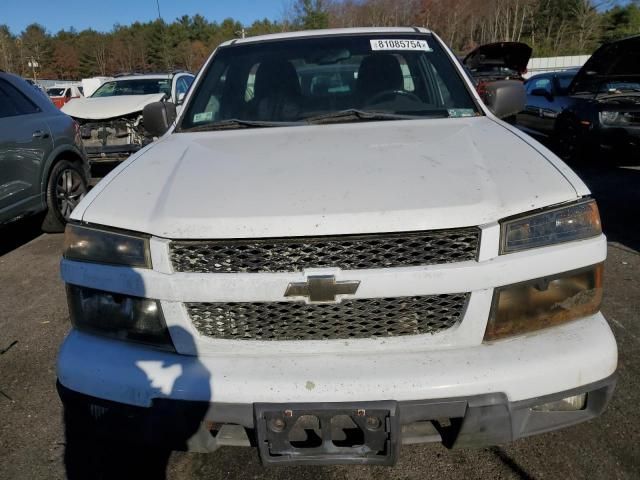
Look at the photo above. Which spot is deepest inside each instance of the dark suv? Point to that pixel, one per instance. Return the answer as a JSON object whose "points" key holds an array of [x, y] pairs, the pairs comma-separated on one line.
{"points": [[592, 110], [43, 166]]}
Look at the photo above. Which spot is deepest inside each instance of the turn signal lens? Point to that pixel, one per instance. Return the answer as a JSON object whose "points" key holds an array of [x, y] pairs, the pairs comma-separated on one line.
{"points": [[545, 302]]}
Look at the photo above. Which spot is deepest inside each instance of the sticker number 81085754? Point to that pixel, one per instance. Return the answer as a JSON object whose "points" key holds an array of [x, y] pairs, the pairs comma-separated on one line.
{"points": [[392, 44]]}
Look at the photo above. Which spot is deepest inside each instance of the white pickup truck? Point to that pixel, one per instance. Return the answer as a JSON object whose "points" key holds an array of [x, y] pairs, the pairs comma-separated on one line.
{"points": [[334, 250]]}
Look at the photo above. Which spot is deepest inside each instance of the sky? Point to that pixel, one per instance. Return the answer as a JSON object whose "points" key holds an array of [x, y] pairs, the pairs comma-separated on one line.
{"points": [[104, 14]]}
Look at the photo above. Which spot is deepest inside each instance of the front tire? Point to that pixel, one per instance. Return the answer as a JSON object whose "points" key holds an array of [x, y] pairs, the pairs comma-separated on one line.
{"points": [[66, 186], [570, 142]]}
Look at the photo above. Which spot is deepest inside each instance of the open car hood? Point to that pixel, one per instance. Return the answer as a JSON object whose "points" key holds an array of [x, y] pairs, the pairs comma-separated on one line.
{"points": [[512, 55], [615, 60], [102, 108]]}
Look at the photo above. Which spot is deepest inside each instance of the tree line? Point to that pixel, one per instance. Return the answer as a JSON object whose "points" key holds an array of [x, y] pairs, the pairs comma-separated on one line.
{"points": [[551, 27]]}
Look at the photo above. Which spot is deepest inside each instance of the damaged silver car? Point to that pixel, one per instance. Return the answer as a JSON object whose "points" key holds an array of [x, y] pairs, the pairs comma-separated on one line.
{"points": [[111, 121]]}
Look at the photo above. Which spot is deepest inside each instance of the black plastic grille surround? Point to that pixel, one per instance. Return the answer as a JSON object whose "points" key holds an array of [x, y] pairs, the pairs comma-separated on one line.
{"points": [[350, 319], [349, 252], [634, 117]]}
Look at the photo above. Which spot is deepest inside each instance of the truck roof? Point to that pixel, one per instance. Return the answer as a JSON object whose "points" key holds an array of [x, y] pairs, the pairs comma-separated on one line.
{"points": [[142, 75], [325, 32]]}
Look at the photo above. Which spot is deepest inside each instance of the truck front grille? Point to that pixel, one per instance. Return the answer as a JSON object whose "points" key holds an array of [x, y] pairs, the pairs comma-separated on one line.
{"points": [[350, 252], [351, 319]]}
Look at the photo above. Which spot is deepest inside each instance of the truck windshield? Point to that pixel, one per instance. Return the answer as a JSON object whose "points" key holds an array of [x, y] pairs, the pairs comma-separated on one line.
{"points": [[55, 92], [299, 80]]}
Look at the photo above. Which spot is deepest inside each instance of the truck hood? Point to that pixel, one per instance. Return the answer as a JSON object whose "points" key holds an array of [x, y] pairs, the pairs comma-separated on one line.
{"points": [[612, 61], [102, 108], [332, 179]]}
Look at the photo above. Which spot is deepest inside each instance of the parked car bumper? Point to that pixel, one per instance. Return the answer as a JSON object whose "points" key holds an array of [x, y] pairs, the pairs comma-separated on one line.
{"points": [[113, 153], [104, 159], [619, 138], [484, 394]]}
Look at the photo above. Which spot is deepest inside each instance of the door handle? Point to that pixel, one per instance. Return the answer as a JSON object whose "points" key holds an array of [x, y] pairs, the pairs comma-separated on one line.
{"points": [[40, 134]]}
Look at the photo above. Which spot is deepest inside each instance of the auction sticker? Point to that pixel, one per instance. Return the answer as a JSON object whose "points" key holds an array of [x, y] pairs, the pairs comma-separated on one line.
{"points": [[391, 44], [203, 117]]}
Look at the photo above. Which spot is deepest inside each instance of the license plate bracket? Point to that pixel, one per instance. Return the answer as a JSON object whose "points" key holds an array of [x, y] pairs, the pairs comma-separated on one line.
{"points": [[328, 433]]}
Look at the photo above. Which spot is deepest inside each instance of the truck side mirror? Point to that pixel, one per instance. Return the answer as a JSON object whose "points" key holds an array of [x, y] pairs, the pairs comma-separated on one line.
{"points": [[505, 98], [158, 117]]}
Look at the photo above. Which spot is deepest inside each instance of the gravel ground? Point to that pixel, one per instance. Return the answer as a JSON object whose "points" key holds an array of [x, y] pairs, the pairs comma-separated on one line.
{"points": [[33, 323]]}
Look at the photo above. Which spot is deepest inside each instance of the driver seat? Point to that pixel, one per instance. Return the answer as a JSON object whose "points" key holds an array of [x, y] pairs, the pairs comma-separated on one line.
{"points": [[378, 73], [277, 91]]}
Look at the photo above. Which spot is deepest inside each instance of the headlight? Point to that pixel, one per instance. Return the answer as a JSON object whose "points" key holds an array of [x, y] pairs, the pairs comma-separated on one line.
{"points": [[557, 225], [118, 316], [87, 244], [614, 118], [545, 302]]}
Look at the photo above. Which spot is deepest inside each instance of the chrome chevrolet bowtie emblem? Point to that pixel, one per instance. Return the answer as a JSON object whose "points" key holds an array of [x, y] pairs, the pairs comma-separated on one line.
{"points": [[322, 288]]}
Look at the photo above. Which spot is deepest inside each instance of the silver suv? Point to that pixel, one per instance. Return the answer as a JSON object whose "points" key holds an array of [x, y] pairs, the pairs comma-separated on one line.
{"points": [[43, 166]]}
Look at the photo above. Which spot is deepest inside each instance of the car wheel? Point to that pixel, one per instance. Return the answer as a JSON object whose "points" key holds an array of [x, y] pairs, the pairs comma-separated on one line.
{"points": [[569, 143], [66, 186]]}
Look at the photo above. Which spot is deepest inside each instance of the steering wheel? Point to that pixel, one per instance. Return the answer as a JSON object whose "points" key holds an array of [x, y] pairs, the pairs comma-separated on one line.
{"points": [[392, 93]]}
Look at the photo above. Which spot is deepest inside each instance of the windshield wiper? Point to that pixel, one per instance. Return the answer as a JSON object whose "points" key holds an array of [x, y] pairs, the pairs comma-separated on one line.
{"points": [[341, 116], [355, 115], [234, 123]]}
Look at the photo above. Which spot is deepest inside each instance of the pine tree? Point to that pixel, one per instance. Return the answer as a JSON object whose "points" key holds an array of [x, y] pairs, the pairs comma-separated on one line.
{"points": [[311, 14]]}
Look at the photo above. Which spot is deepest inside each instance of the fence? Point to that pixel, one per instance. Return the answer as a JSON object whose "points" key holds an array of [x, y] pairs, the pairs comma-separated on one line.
{"points": [[554, 64]]}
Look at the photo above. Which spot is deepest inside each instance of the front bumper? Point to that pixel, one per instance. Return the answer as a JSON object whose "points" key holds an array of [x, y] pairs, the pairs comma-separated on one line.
{"points": [[103, 160], [619, 138], [553, 360], [463, 422], [483, 392], [111, 152]]}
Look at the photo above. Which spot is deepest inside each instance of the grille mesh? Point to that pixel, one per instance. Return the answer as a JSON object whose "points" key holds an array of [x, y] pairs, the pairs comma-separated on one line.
{"points": [[358, 318], [353, 252]]}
